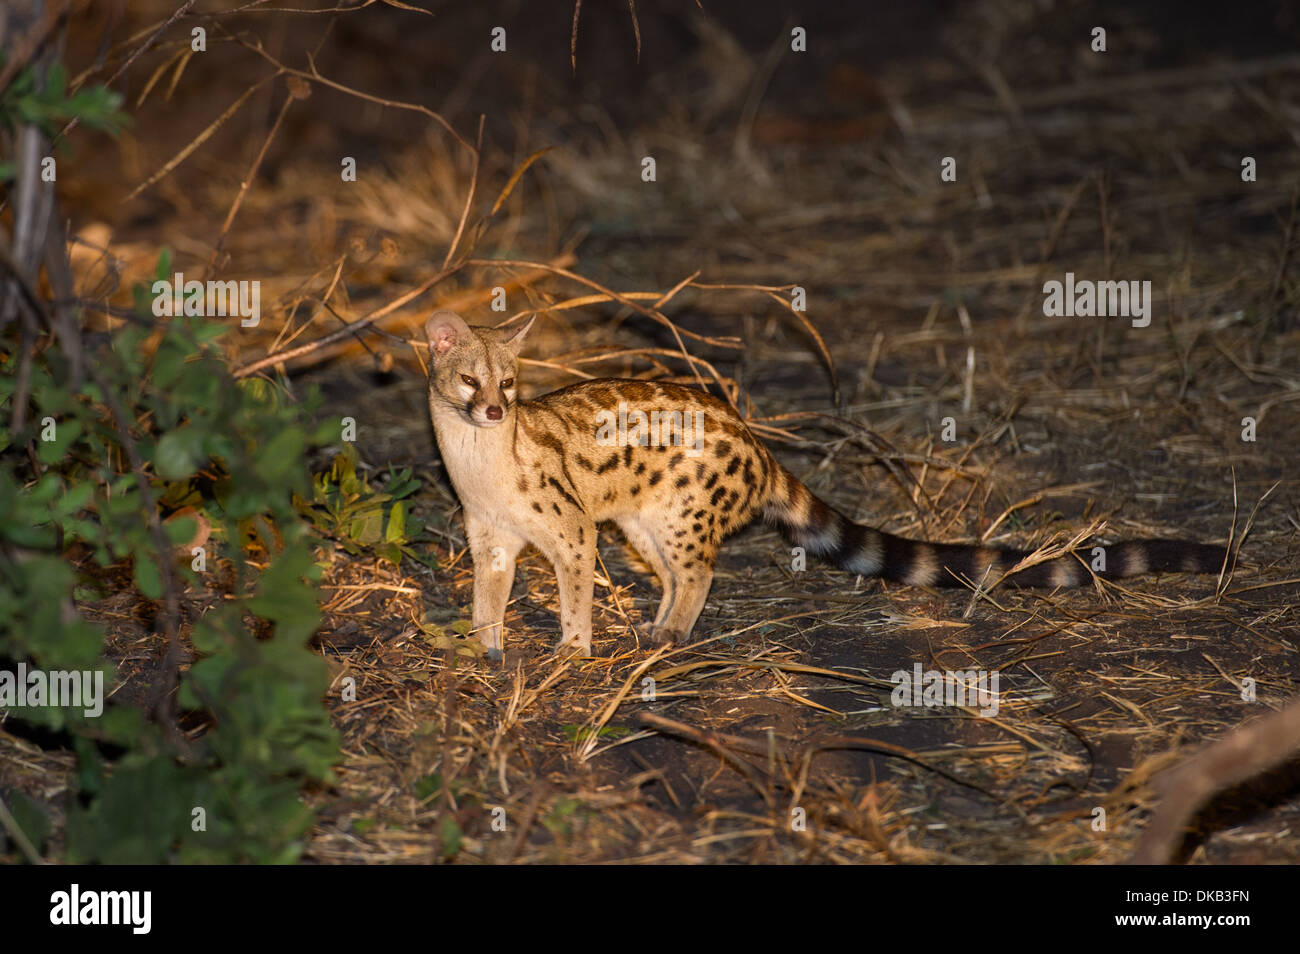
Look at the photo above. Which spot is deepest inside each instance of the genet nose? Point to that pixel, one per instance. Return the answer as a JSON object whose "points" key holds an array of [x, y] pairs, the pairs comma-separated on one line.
{"points": [[494, 413]]}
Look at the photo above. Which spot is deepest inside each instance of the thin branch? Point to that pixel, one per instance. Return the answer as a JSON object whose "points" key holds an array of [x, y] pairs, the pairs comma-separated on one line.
{"points": [[315, 76], [355, 327], [19, 836], [298, 89], [727, 342], [469, 198], [573, 37], [20, 54], [139, 51], [200, 139], [164, 693], [1237, 757], [636, 28]]}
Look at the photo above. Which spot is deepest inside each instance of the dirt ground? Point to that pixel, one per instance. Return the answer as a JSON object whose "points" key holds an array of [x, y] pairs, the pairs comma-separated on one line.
{"points": [[773, 738]]}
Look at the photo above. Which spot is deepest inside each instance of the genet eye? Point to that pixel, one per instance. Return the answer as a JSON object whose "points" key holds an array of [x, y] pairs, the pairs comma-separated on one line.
{"points": [[472, 382], [507, 383]]}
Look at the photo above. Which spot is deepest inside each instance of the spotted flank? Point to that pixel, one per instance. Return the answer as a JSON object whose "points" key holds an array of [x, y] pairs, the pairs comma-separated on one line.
{"points": [[677, 472]]}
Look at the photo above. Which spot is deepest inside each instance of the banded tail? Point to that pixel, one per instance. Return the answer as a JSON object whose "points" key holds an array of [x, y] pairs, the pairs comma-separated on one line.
{"points": [[828, 535]]}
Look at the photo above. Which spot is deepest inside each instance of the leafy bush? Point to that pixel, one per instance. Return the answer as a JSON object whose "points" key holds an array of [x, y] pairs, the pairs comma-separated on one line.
{"points": [[232, 452], [48, 106], [343, 507]]}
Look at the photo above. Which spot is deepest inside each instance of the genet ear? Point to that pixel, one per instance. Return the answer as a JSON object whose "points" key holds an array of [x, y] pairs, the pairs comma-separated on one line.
{"points": [[515, 339], [444, 330]]}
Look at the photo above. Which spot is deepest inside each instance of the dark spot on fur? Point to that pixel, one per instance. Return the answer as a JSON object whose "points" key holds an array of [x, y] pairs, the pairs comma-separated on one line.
{"points": [[551, 442], [563, 492]]}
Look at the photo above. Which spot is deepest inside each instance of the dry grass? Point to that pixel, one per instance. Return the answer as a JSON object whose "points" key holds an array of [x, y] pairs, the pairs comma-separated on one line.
{"points": [[928, 296]]}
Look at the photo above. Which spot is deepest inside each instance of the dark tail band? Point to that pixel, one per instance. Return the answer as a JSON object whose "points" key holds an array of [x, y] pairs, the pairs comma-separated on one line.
{"points": [[829, 535]]}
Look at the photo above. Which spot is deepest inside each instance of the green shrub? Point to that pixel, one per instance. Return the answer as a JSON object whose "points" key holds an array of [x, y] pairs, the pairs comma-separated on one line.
{"points": [[73, 514]]}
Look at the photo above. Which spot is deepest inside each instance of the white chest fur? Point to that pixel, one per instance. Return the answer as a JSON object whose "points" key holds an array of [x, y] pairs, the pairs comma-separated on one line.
{"points": [[480, 463]]}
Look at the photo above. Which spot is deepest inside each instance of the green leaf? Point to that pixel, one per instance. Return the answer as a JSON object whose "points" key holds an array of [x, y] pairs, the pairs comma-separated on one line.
{"points": [[163, 271], [396, 524], [181, 529], [282, 455], [451, 837], [367, 527], [53, 451], [56, 82], [577, 733], [285, 600], [147, 577], [428, 786], [177, 454], [32, 817]]}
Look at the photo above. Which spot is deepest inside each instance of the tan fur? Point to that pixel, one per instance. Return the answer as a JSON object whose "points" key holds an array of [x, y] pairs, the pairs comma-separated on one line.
{"points": [[549, 471], [542, 476]]}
